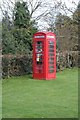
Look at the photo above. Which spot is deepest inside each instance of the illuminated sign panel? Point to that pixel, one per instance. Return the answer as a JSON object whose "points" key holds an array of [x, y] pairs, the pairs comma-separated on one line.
{"points": [[50, 36], [39, 37]]}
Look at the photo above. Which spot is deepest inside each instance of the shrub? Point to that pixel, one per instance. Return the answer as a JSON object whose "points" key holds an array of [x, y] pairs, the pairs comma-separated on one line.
{"points": [[16, 65]]}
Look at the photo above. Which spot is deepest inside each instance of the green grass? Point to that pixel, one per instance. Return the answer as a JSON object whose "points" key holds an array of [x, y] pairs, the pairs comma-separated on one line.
{"points": [[24, 97], [0, 99]]}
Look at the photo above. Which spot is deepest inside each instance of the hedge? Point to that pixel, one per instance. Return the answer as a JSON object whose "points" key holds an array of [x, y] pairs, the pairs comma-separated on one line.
{"points": [[16, 65]]}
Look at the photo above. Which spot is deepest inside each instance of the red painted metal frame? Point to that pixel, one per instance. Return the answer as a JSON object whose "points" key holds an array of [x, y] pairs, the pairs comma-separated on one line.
{"points": [[45, 37]]}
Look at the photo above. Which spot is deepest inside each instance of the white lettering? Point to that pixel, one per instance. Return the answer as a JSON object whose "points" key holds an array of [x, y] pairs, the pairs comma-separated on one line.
{"points": [[50, 36], [39, 37]]}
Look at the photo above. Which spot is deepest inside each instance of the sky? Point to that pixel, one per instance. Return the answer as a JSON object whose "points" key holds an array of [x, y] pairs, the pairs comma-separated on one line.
{"points": [[69, 4]]}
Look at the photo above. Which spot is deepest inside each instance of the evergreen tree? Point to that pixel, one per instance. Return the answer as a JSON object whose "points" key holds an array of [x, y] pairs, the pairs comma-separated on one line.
{"points": [[23, 27], [17, 33], [21, 15], [8, 42]]}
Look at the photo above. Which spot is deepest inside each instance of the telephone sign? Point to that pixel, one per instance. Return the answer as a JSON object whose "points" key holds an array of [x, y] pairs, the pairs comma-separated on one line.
{"points": [[39, 36], [44, 55]]}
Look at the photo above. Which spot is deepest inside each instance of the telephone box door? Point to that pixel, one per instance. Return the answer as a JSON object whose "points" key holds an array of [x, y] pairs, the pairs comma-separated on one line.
{"points": [[38, 56]]}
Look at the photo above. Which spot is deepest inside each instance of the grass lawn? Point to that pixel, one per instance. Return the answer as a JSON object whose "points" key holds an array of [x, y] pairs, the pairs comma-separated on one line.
{"points": [[0, 98], [24, 97]]}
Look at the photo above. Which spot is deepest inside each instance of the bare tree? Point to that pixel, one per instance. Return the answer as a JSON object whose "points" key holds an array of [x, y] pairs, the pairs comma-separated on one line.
{"points": [[67, 28], [35, 7], [7, 5], [40, 11], [59, 7]]}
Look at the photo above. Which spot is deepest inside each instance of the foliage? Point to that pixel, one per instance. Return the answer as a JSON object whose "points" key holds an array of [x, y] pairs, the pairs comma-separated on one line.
{"points": [[17, 33], [17, 36], [16, 65], [21, 15], [24, 97], [65, 27], [67, 33], [8, 40], [24, 27]]}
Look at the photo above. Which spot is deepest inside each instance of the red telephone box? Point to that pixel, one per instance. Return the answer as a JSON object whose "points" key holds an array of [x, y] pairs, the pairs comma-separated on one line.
{"points": [[44, 55]]}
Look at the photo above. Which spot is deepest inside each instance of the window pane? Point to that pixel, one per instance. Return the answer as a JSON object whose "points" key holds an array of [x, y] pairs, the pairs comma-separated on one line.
{"points": [[51, 54], [51, 50], [50, 66], [51, 71], [51, 62], [39, 54]]}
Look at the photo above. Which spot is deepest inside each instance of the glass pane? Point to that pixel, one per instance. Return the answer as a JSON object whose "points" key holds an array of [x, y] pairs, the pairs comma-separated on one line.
{"points": [[51, 56], [51, 42], [39, 42], [51, 46], [39, 58], [51, 59], [51, 62], [39, 54], [39, 46], [50, 66], [51, 71], [51, 50]]}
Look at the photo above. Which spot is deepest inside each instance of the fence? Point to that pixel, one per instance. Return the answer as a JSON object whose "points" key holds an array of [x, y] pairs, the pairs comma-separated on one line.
{"points": [[16, 65]]}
